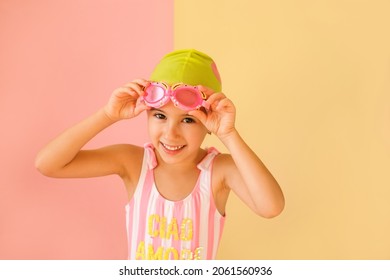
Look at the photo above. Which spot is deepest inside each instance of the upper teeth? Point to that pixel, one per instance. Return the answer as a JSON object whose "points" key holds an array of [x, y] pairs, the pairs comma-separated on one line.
{"points": [[172, 148]]}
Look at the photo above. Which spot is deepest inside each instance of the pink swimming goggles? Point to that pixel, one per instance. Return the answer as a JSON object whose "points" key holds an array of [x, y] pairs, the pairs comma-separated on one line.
{"points": [[183, 96]]}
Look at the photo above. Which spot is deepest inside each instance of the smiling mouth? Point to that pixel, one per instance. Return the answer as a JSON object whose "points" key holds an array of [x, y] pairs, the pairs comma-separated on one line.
{"points": [[172, 148]]}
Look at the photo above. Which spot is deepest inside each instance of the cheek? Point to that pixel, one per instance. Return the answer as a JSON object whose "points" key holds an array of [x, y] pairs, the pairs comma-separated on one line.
{"points": [[153, 128], [197, 134], [202, 131]]}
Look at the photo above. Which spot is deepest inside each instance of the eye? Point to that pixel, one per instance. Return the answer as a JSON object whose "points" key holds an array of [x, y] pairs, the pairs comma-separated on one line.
{"points": [[189, 120], [159, 116]]}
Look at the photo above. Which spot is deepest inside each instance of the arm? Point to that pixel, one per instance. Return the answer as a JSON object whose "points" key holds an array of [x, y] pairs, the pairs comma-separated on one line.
{"points": [[249, 178], [63, 156], [243, 171]]}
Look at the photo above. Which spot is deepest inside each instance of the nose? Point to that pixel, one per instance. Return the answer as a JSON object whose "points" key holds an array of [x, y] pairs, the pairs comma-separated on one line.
{"points": [[171, 130]]}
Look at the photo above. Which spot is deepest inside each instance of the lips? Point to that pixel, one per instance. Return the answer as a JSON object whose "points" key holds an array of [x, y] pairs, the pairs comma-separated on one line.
{"points": [[170, 148]]}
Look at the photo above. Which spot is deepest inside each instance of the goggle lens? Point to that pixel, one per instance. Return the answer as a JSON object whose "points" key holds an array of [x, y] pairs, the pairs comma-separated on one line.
{"points": [[154, 94], [188, 97]]}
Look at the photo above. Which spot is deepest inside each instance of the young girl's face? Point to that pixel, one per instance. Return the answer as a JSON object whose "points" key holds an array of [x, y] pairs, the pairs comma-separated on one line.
{"points": [[175, 135]]}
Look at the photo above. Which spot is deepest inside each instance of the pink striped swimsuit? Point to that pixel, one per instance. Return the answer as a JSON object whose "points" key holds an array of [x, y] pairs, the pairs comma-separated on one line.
{"points": [[160, 229]]}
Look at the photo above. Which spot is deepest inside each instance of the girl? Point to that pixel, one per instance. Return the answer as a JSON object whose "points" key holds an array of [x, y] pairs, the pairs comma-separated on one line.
{"points": [[177, 191]]}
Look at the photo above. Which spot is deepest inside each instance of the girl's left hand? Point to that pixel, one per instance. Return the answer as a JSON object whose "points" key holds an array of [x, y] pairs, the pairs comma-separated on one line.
{"points": [[220, 117]]}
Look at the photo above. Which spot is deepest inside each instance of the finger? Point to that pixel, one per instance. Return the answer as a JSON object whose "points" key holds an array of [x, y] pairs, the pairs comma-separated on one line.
{"points": [[201, 116], [140, 107], [142, 82], [214, 99], [216, 96], [225, 103], [206, 90], [136, 89], [141, 102], [138, 86], [123, 91]]}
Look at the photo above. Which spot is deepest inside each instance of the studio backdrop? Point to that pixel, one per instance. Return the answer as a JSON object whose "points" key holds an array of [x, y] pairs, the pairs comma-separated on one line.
{"points": [[310, 81]]}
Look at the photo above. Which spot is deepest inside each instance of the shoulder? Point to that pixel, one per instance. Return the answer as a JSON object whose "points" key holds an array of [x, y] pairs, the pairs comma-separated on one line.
{"points": [[223, 164], [129, 156], [223, 161], [129, 152], [225, 169]]}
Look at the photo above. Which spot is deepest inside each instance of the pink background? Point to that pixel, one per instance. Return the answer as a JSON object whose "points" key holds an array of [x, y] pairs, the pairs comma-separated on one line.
{"points": [[60, 61]]}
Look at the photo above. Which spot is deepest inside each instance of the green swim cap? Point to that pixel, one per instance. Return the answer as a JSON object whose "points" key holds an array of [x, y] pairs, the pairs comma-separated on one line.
{"points": [[188, 66]]}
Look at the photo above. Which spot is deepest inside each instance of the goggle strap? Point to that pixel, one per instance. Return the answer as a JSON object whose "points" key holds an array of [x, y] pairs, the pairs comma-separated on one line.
{"points": [[206, 105]]}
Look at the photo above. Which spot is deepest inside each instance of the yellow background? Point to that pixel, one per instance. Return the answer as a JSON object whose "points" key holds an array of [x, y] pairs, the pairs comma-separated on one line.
{"points": [[310, 80]]}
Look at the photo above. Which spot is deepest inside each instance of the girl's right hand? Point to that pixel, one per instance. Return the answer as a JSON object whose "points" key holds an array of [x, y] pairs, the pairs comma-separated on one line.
{"points": [[124, 102]]}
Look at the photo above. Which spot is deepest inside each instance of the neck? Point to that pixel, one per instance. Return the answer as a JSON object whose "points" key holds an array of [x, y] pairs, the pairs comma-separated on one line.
{"points": [[183, 166]]}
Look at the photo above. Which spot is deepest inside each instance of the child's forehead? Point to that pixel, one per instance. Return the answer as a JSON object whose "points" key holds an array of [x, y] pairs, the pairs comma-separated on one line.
{"points": [[170, 109]]}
